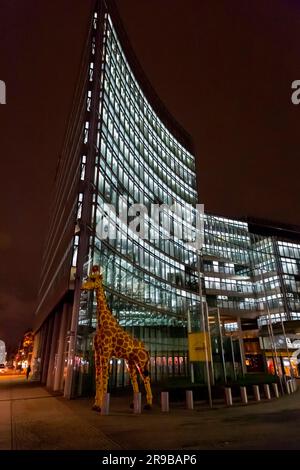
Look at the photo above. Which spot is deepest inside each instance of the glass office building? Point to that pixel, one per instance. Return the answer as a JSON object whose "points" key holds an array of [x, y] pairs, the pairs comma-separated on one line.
{"points": [[123, 149], [130, 151], [148, 280], [251, 274]]}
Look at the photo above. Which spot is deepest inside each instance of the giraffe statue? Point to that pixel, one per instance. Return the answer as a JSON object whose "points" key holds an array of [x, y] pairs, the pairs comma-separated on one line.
{"points": [[111, 340]]}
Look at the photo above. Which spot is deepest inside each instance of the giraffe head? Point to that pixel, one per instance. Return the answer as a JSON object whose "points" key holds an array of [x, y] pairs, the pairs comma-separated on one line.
{"points": [[94, 280]]}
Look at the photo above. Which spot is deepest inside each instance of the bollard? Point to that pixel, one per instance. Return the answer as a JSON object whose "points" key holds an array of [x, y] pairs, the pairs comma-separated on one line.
{"points": [[291, 385], [137, 403], [165, 402], [275, 390], [256, 392], [228, 396], [267, 391], [189, 399], [105, 404], [244, 395], [288, 388]]}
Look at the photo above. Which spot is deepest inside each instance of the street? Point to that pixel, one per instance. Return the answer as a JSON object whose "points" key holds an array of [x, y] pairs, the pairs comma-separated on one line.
{"points": [[32, 418]]}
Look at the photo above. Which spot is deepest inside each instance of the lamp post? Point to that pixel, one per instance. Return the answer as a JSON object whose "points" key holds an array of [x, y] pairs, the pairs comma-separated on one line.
{"points": [[221, 345], [203, 327], [189, 328]]}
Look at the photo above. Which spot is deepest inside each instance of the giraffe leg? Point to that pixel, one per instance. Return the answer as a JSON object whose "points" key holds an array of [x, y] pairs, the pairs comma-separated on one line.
{"points": [[133, 377], [97, 404], [144, 372], [105, 375]]}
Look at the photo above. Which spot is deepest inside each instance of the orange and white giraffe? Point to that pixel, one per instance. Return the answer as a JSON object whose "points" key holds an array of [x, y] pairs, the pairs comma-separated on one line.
{"points": [[111, 340]]}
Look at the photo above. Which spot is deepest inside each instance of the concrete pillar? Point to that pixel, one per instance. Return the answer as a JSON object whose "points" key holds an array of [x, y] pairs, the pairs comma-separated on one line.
{"points": [[50, 374], [58, 373], [42, 346], [267, 391], [228, 396], [256, 392], [275, 390], [35, 362], [189, 399], [165, 402], [46, 350], [137, 403], [244, 396], [105, 404], [69, 361]]}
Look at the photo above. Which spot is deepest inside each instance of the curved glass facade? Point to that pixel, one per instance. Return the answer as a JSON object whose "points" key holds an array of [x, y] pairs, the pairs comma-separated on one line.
{"points": [[150, 284], [126, 186]]}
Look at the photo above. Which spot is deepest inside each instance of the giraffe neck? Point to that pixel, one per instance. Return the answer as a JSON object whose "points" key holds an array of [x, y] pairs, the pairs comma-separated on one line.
{"points": [[102, 308]]}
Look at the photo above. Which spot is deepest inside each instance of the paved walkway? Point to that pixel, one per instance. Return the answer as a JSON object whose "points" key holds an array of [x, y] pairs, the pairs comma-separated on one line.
{"points": [[31, 418]]}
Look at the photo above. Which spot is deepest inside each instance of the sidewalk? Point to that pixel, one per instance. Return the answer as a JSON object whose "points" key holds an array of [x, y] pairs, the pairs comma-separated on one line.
{"points": [[31, 418]]}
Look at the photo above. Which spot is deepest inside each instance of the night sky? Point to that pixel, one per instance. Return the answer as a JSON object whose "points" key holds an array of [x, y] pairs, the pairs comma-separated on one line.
{"points": [[224, 70]]}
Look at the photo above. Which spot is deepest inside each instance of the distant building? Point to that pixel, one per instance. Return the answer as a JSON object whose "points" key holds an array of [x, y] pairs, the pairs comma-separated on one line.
{"points": [[252, 276], [240, 289], [24, 355]]}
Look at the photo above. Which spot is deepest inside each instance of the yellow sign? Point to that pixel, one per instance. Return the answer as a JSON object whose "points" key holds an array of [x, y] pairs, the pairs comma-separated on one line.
{"points": [[197, 347], [278, 354]]}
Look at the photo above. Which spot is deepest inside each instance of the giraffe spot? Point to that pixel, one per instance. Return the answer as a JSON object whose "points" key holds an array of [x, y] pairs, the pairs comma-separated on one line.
{"points": [[142, 355]]}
